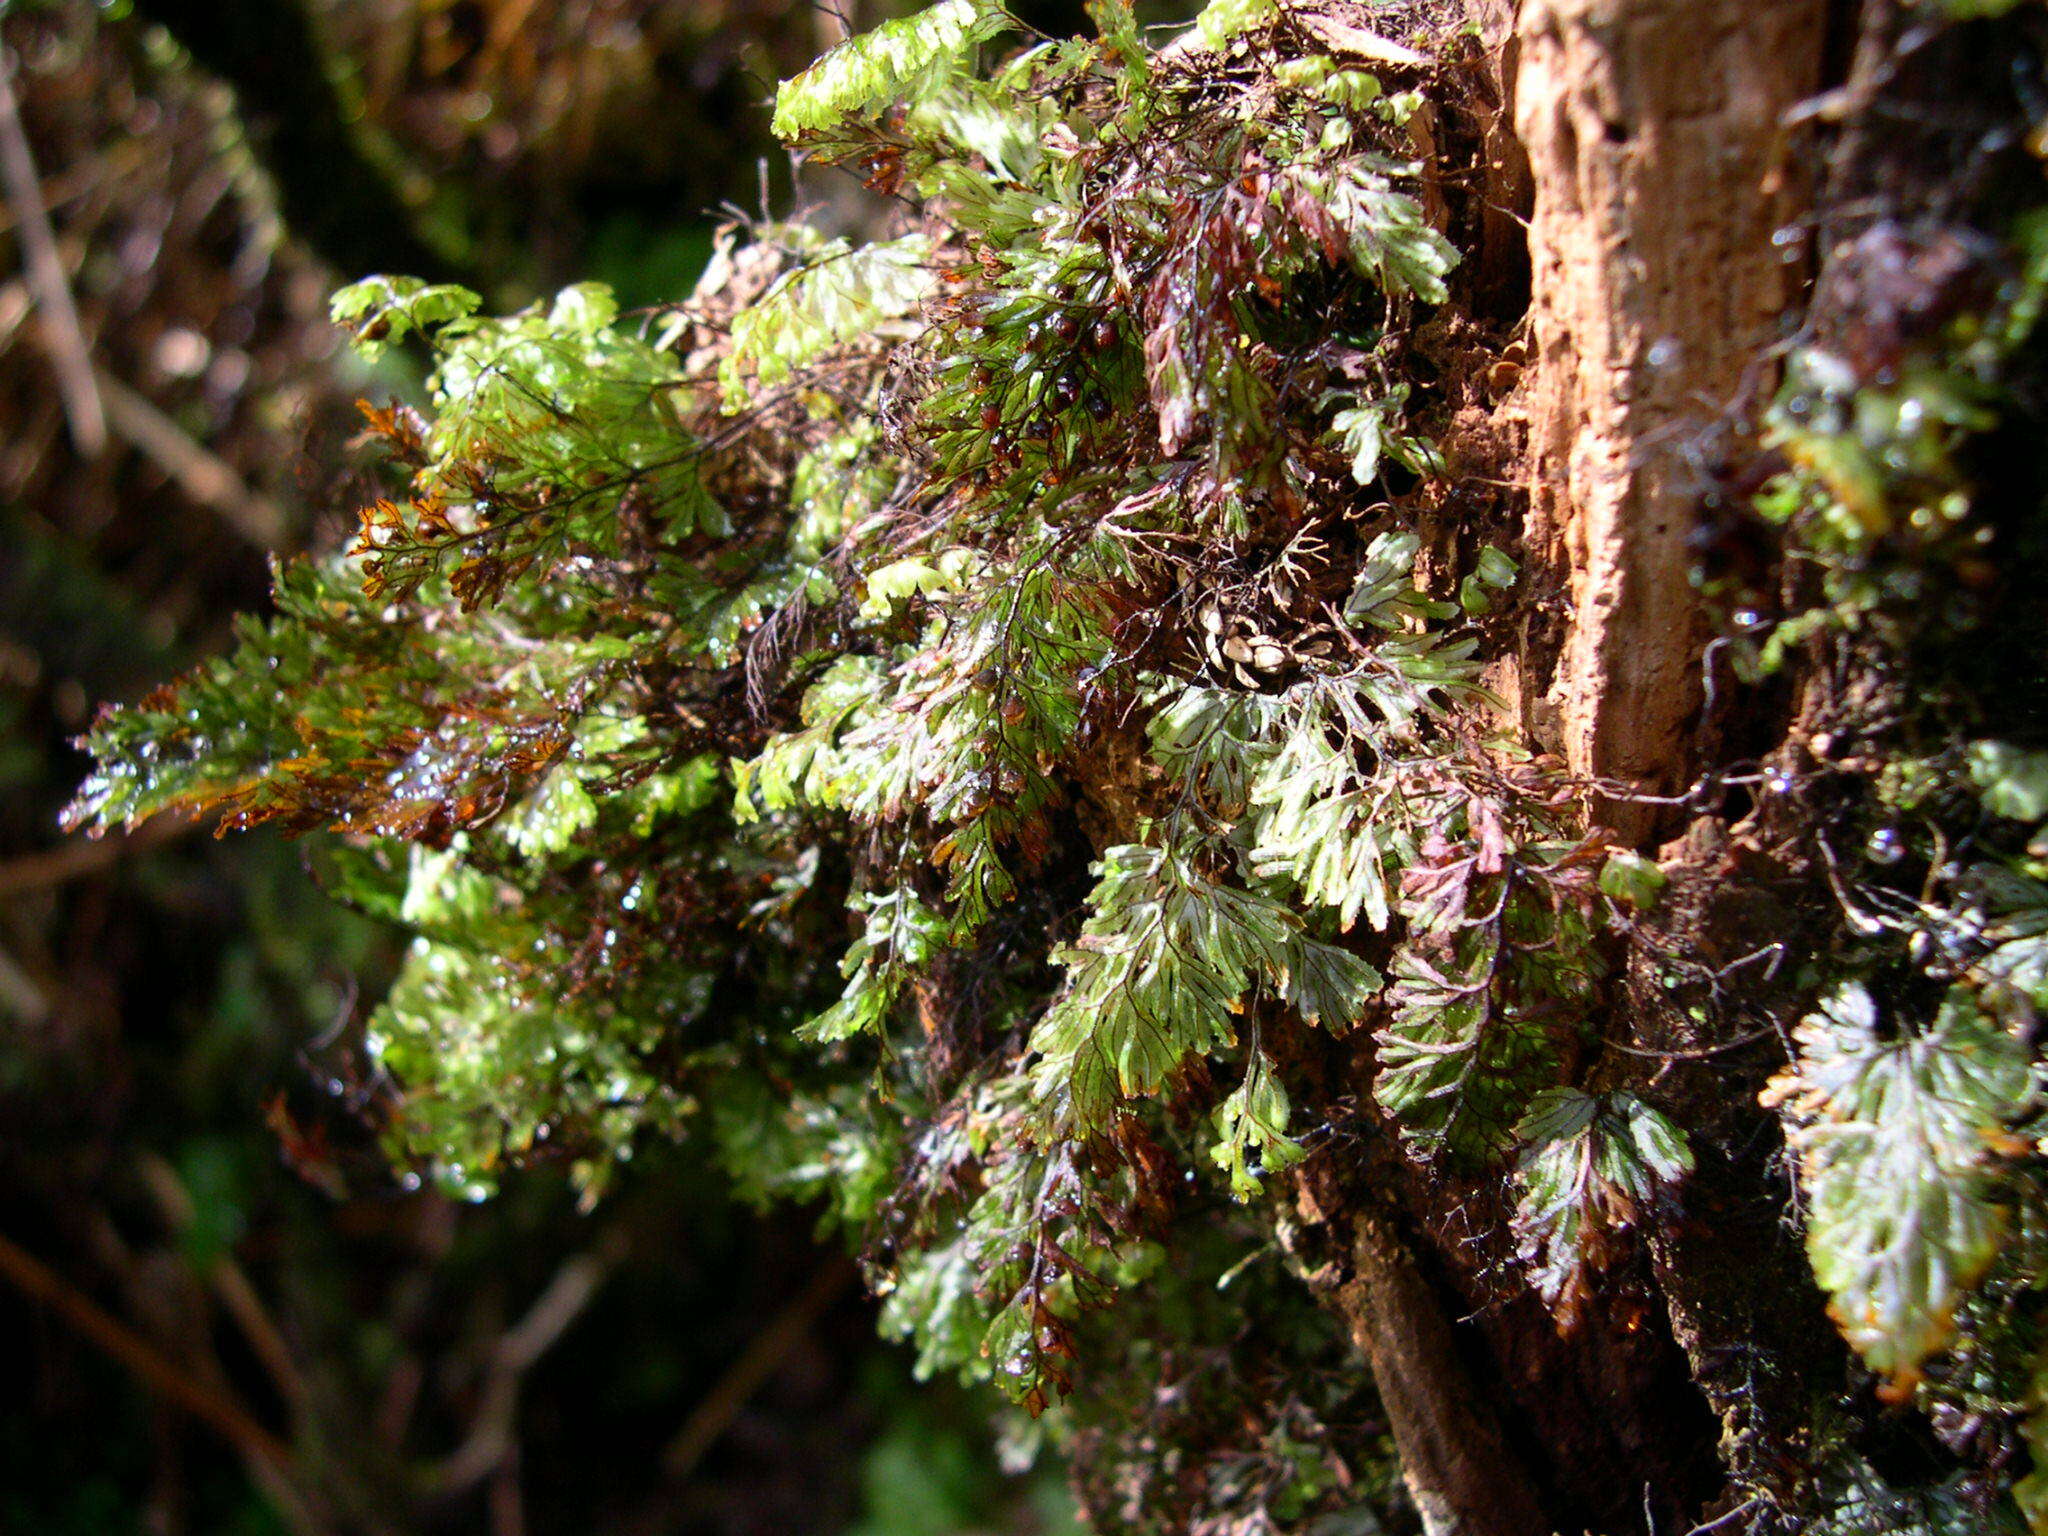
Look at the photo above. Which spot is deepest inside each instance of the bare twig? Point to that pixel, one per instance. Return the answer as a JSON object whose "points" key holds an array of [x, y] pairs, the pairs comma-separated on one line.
{"points": [[64, 337], [204, 476], [231, 1285], [20, 994], [490, 1439], [751, 1371], [37, 1280], [834, 24], [507, 1503], [1745, 1507], [1702, 1053], [85, 856]]}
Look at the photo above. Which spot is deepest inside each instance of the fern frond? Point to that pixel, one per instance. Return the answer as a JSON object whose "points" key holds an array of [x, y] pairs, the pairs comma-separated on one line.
{"points": [[836, 297], [1159, 974], [1589, 1166], [899, 59], [1895, 1131], [1251, 1128]]}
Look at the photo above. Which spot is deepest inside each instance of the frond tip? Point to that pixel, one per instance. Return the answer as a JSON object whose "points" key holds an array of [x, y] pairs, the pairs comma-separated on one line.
{"points": [[897, 60]]}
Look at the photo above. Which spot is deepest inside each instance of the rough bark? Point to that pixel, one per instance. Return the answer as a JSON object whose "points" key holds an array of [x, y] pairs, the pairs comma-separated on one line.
{"points": [[1656, 136], [1504, 1422], [1661, 153], [1738, 1294], [1463, 1478], [1461, 1474], [1652, 152]]}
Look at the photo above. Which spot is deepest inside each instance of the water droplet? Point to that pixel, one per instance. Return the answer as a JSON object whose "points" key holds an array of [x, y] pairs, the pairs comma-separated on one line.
{"points": [[1885, 846], [409, 1182]]}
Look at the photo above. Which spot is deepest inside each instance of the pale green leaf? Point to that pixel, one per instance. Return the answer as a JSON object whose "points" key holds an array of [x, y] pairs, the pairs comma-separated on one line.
{"points": [[897, 60], [1894, 1124], [1251, 1129], [835, 298]]}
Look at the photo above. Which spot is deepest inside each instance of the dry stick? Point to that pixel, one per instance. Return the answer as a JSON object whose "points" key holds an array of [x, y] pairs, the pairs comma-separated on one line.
{"points": [[748, 1374], [63, 336], [85, 855], [834, 24], [201, 474], [504, 28], [37, 1280], [21, 994], [206, 477], [490, 1441], [110, 164], [506, 1501], [231, 1285]]}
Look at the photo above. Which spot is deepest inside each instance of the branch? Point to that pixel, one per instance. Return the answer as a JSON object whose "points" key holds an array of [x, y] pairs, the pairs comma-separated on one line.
{"points": [[39, 1282], [63, 336], [20, 993], [204, 476], [752, 1370], [489, 1443], [84, 855], [231, 1285]]}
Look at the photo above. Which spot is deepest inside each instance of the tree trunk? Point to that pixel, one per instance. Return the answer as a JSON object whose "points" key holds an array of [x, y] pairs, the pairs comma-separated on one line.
{"points": [[1650, 145], [1464, 1478], [1657, 137]]}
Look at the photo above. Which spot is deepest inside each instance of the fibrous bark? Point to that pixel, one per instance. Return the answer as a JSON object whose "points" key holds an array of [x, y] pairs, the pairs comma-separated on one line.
{"points": [[1653, 143], [1462, 1475], [1656, 133]]}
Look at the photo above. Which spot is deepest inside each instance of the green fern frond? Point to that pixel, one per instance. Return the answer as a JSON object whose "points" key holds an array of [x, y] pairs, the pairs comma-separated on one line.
{"points": [[1589, 1167], [1895, 1129], [1159, 975], [837, 296], [1251, 1128], [897, 60]]}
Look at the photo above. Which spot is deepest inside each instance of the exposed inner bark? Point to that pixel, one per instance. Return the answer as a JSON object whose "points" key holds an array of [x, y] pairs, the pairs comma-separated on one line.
{"points": [[1656, 136], [1653, 135]]}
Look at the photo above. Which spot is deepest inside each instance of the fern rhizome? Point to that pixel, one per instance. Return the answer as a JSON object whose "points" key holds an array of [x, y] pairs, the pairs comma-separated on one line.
{"points": [[993, 732]]}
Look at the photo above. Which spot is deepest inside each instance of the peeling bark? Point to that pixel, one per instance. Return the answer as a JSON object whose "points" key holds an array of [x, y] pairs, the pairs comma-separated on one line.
{"points": [[1656, 136]]}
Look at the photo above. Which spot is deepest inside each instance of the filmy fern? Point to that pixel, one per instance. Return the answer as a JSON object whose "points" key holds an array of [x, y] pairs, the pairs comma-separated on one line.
{"points": [[1898, 1128]]}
